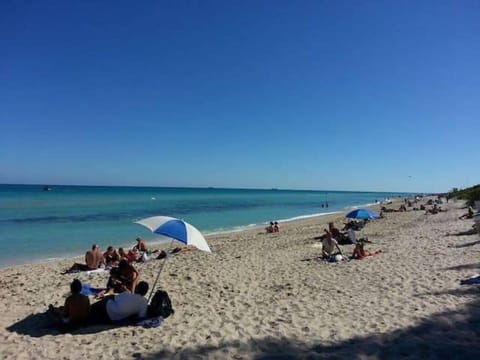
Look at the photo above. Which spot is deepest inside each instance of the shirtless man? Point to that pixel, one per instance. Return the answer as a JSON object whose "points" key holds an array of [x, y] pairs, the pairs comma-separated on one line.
{"points": [[93, 259], [76, 308], [141, 245]]}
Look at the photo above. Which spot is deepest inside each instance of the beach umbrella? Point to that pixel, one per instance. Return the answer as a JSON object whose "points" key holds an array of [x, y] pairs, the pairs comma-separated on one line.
{"points": [[176, 229], [363, 214]]}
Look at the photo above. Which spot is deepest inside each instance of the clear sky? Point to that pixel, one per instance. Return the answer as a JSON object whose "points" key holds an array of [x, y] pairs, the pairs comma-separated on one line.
{"points": [[339, 95]]}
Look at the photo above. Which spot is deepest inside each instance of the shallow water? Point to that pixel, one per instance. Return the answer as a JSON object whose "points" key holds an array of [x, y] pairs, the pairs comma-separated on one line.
{"points": [[37, 225]]}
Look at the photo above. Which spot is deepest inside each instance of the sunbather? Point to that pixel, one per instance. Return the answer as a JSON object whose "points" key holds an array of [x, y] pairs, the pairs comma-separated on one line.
{"points": [[330, 246], [468, 215], [275, 227], [123, 278], [111, 256], [130, 256], [269, 228], [76, 308], [359, 252], [93, 260], [141, 245], [122, 306]]}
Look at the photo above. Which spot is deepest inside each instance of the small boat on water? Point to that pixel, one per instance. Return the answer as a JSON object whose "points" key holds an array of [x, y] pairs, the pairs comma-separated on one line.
{"points": [[47, 188]]}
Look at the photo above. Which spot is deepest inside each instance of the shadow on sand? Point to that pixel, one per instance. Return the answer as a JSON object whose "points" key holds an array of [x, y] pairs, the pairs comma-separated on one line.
{"points": [[451, 335], [46, 323]]}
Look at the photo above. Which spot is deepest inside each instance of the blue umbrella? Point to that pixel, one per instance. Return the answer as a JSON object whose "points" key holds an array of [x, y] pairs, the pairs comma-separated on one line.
{"points": [[176, 229], [362, 214]]}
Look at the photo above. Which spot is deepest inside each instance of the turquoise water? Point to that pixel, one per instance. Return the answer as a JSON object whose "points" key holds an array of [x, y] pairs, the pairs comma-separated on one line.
{"points": [[37, 225]]}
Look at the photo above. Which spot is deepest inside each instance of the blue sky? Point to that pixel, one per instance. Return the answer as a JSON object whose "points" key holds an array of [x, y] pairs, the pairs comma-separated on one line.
{"points": [[338, 95]]}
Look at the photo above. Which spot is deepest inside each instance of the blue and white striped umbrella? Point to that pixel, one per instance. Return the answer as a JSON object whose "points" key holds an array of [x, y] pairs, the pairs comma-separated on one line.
{"points": [[176, 229]]}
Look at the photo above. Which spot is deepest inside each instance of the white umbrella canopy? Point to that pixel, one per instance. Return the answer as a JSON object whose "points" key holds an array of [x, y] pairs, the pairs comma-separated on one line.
{"points": [[176, 229]]}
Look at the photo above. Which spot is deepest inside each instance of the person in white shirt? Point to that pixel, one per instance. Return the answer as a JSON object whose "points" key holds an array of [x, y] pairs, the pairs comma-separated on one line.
{"points": [[121, 306], [329, 246], [351, 235]]}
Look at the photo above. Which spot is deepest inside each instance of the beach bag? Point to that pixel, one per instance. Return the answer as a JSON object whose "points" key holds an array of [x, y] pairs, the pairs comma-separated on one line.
{"points": [[162, 255], [161, 305]]}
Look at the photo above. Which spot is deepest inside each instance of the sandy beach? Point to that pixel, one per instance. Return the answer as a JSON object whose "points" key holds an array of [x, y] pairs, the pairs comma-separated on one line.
{"points": [[265, 296]]}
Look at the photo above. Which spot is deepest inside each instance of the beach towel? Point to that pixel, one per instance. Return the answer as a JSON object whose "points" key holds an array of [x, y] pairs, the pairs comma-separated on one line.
{"points": [[96, 271], [473, 280], [87, 290]]}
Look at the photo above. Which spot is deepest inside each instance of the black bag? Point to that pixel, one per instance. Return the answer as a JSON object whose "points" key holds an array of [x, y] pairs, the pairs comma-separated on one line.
{"points": [[161, 305]]}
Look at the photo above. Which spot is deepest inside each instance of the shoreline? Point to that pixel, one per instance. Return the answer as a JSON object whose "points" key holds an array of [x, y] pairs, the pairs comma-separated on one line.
{"points": [[157, 243]]}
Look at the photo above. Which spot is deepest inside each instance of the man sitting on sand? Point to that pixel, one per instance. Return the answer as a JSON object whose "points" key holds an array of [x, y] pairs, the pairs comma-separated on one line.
{"points": [[275, 227], [336, 234], [77, 306], [468, 215], [141, 245], [329, 246], [269, 228], [93, 259], [122, 306]]}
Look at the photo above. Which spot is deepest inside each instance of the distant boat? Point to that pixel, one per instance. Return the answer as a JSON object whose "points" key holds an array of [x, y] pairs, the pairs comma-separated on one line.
{"points": [[47, 188]]}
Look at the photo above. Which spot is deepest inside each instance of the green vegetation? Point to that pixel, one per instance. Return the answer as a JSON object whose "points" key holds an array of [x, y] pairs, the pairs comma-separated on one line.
{"points": [[470, 194]]}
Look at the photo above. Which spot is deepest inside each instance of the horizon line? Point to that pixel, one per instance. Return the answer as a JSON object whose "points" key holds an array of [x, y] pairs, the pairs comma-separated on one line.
{"points": [[217, 188]]}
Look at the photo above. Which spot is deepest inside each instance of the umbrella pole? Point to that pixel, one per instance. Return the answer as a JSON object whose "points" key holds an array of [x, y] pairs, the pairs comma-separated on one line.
{"points": [[158, 275]]}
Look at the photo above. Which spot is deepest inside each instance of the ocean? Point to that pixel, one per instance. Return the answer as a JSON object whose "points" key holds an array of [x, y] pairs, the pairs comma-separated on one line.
{"points": [[38, 225]]}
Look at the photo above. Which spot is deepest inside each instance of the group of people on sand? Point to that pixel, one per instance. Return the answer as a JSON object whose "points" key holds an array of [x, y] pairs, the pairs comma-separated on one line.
{"points": [[272, 227], [333, 238], [77, 311], [122, 297], [95, 259]]}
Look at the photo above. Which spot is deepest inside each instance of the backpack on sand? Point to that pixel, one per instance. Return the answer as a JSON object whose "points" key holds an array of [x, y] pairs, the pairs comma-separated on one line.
{"points": [[161, 305]]}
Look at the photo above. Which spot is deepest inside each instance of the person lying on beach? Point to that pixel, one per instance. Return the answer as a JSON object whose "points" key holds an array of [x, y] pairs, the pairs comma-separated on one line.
{"points": [[141, 245], [111, 257], [119, 307], [360, 253], [93, 259], [468, 215], [77, 307], [330, 246]]}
